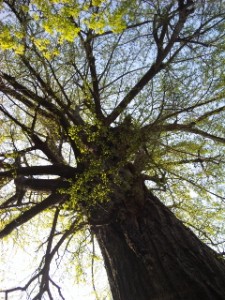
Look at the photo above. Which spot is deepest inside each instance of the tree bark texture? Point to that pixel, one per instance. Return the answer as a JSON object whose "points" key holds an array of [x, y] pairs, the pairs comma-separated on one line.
{"points": [[149, 254]]}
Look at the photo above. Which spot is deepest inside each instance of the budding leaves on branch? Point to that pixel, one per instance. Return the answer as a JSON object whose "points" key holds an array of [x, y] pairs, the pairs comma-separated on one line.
{"points": [[41, 23]]}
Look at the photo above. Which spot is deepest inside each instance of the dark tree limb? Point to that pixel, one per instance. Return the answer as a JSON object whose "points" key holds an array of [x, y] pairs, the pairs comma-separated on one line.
{"points": [[51, 200], [60, 170], [189, 128], [154, 69], [17, 197], [94, 77], [41, 185], [44, 147], [88, 47]]}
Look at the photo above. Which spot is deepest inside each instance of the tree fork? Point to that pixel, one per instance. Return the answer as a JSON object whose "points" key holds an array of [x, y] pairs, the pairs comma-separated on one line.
{"points": [[152, 255]]}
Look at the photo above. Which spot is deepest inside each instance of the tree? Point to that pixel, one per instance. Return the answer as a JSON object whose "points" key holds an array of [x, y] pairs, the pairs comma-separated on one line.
{"points": [[107, 107]]}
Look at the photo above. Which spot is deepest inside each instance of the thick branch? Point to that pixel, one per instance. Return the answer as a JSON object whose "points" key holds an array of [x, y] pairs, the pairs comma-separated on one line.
{"points": [[17, 197], [94, 78], [187, 128], [53, 199], [43, 146], [59, 170], [41, 185], [154, 69]]}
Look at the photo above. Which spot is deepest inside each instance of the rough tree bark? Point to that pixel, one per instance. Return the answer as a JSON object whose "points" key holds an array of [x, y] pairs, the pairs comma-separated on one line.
{"points": [[149, 254]]}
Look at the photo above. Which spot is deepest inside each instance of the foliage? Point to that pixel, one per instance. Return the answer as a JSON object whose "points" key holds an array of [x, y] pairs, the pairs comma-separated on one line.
{"points": [[95, 94]]}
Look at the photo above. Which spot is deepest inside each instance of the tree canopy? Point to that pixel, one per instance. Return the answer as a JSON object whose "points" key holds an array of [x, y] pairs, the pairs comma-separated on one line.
{"points": [[93, 89]]}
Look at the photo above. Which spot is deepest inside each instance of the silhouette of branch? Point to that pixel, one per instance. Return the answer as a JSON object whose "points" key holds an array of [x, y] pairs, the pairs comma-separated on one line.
{"points": [[27, 215]]}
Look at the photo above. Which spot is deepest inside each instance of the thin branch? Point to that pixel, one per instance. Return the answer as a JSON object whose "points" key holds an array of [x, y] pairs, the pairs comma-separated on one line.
{"points": [[110, 58], [189, 108], [47, 259], [58, 288], [200, 187], [15, 120], [131, 26], [92, 267], [28, 93], [209, 114]]}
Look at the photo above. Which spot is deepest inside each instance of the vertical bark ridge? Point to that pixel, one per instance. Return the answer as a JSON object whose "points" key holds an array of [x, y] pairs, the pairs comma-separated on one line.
{"points": [[172, 262]]}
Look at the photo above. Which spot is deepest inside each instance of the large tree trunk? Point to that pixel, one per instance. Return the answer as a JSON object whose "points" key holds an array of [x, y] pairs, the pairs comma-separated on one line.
{"points": [[149, 254]]}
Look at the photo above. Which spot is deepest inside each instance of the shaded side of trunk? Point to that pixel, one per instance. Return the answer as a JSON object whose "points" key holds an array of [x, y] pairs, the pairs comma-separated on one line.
{"points": [[150, 254]]}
